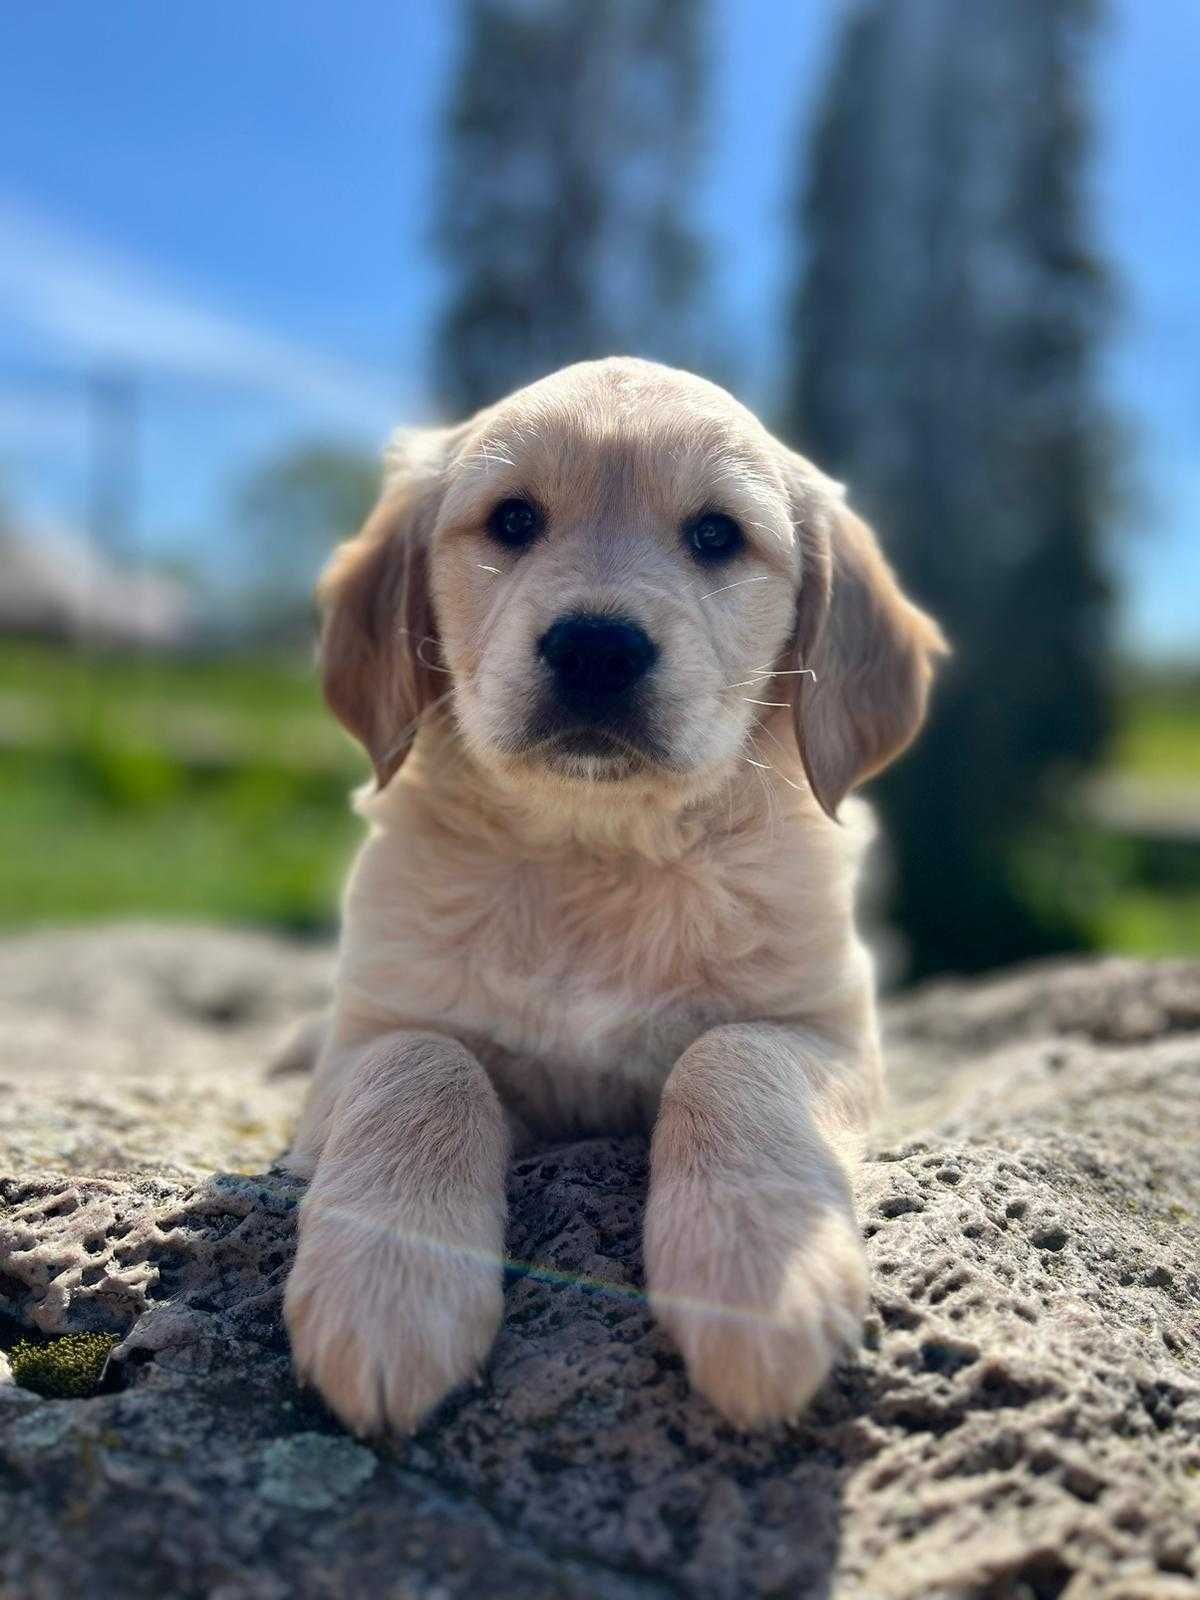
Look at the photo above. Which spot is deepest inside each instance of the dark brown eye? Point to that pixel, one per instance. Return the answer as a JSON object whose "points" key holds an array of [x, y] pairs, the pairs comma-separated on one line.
{"points": [[714, 537], [515, 523]]}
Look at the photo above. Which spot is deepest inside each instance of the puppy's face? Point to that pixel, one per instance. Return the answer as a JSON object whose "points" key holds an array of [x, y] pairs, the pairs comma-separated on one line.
{"points": [[614, 565], [614, 576]]}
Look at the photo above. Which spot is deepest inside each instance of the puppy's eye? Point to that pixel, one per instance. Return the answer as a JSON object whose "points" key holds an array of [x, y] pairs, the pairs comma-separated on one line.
{"points": [[515, 523], [714, 537]]}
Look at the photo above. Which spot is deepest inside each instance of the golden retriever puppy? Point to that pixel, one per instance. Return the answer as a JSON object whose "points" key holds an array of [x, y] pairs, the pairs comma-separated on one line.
{"points": [[617, 656]]}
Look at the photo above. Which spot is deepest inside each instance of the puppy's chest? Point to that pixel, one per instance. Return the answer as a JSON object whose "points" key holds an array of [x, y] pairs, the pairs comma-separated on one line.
{"points": [[601, 967]]}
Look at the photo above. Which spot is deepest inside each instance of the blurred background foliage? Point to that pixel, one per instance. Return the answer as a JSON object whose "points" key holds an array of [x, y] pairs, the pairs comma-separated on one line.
{"points": [[942, 331]]}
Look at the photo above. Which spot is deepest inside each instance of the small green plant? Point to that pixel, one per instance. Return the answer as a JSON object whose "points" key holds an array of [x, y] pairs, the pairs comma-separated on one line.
{"points": [[65, 1369]]}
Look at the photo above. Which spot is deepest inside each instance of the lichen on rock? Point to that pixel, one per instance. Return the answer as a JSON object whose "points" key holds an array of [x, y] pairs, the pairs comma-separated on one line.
{"points": [[313, 1471]]}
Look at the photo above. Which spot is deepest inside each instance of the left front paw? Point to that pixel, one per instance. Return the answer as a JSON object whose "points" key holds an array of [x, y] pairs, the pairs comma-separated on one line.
{"points": [[761, 1291]]}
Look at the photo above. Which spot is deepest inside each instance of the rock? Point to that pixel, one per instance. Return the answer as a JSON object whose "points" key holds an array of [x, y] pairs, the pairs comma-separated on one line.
{"points": [[1023, 1419]]}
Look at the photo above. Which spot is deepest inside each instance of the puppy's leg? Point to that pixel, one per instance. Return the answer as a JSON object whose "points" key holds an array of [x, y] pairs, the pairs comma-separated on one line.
{"points": [[753, 1256], [395, 1296]]}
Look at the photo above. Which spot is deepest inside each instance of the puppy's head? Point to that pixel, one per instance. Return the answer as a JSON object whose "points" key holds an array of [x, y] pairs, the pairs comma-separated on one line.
{"points": [[609, 580]]}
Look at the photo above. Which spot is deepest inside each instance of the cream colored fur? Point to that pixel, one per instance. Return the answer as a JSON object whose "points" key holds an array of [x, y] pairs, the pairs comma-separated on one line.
{"points": [[535, 948]]}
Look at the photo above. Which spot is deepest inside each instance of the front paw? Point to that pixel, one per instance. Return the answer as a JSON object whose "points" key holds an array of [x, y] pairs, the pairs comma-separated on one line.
{"points": [[385, 1320], [761, 1291]]}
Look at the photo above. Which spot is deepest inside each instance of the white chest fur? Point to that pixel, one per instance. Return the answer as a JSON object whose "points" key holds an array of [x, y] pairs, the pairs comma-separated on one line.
{"points": [[579, 976]]}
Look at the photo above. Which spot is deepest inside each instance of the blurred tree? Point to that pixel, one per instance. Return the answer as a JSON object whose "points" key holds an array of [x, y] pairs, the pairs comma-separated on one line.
{"points": [[945, 337], [295, 507], [572, 139]]}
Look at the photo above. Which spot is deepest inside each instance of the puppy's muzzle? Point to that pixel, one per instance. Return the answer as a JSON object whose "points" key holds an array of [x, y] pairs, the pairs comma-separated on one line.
{"points": [[596, 662]]}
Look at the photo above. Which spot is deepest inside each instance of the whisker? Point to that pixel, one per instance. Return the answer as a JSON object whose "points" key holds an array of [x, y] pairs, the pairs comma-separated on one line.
{"points": [[737, 585], [409, 729], [798, 787], [766, 789], [773, 672], [783, 704], [483, 567], [432, 666]]}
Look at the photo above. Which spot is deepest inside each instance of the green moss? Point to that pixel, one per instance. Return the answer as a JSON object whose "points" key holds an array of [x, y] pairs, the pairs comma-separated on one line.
{"points": [[65, 1369]]}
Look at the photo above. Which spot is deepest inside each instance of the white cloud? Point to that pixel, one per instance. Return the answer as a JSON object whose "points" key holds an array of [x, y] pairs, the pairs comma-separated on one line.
{"points": [[92, 304]]}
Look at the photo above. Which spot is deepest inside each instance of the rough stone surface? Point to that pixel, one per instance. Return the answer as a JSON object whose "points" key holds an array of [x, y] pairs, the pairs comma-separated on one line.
{"points": [[1023, 1420]]}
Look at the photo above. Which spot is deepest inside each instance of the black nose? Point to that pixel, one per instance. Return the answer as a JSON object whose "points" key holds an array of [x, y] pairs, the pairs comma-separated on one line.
{"points": [[595, 660]]}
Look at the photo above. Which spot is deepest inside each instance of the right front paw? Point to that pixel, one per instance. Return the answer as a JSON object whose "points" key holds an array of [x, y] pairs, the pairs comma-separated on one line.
{"points": [[385, 1320]]}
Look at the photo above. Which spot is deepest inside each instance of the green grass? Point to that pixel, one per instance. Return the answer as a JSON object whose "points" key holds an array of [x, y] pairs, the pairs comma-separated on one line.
{"points": [[1155, 909], [213, 712], [211, 790], [1141, 923], [1159, 731], [260, 845]]}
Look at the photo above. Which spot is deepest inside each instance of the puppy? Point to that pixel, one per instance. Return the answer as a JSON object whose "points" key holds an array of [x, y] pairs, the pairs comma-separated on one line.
{"points": [[617, 656]]}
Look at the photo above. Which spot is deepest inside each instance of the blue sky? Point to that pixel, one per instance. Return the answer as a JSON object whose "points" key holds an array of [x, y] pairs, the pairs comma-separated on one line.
{"points": [[236, 199]]}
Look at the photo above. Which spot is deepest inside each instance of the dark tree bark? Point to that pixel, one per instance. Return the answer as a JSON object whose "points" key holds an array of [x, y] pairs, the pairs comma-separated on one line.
{"points": [[945, 334], [572, 136]]}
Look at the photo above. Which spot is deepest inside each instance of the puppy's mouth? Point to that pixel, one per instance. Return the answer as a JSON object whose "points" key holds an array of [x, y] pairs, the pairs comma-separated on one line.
{"points": [[592, 742], [592, 752]]}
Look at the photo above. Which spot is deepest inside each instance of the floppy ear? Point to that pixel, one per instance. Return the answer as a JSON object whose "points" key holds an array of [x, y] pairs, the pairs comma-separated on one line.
{"points": [[868, 650], [379, 639]]}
